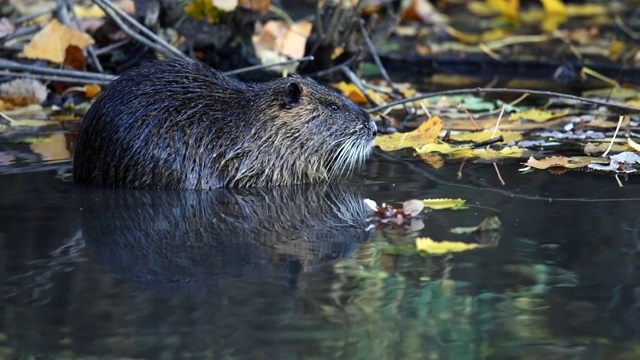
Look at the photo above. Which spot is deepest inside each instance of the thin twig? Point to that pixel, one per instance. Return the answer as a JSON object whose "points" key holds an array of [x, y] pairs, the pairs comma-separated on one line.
{"points": [[376, 59], [47, 77], [624, 108], [11, 65], [614, 136], [117, 14], [356, 81]]}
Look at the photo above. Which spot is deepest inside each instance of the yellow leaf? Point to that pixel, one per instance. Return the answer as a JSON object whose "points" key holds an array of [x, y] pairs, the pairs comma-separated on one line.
{"points": [[88, 12], [466, 151], [442, 247], [53, 148], [354, 94], [479, 136], [554, 7], [508, 8], [426, 133], [537, 115], [91, 90], [52, 41], [587, 10], [435, 160], [439, 204], [509, 151]]}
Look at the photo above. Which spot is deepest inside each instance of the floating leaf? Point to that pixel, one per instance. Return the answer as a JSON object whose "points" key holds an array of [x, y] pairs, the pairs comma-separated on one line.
{"points": [[479, 136], [412, 207], [491, 223], [466, 151], [439, 204], [426, 133], [557, 161], [429, 246], [537, 115]]}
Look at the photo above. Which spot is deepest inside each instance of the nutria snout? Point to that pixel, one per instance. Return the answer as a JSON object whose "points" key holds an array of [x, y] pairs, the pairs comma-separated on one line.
{"points": [[179, 124]]}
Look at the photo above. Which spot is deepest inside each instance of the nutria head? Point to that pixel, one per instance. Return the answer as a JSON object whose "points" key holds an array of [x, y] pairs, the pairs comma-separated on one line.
{"points": [[303, 133], [178, 124]]}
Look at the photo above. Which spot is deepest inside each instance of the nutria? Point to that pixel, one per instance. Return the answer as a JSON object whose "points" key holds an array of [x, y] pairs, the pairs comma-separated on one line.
{"points": [[179, 124]]}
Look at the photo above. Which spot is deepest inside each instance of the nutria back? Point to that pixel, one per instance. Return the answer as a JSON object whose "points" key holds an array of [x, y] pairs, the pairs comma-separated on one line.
{"points": [[179, 124]]}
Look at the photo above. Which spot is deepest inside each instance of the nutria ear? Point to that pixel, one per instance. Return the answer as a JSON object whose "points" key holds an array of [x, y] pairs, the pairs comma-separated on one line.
{"points": [[291, 95]]}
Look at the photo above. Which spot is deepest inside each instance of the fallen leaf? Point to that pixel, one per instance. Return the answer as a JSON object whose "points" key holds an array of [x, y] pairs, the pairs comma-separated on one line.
{"points": [[557, 161], [21, 92], [412, 207], [429, 246], [479, 136], [435, 160], [491, 223], [354, 94], [54, 147], [625, 162], [467, 151], [439, 204], [537, 115], [285, 39], [51, 42], [426, 133]]}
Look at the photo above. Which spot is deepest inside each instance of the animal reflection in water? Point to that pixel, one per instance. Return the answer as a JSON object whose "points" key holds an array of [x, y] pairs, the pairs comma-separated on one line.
{"points": [[195, 240]]}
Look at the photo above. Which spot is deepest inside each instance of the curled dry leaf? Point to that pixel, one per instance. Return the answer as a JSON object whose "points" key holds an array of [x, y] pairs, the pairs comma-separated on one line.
{"points": [[412, 207], [557, 161]]}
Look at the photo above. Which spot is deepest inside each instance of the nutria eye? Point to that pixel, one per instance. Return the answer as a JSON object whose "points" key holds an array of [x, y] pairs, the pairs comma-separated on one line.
{"points": [[333, 107]]}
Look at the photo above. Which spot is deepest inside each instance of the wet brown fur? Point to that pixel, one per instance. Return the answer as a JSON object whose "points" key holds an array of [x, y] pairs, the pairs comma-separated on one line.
{"points": [[178, 124]]}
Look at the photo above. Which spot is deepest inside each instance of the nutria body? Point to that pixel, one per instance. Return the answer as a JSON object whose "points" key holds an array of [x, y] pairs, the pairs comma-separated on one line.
{"points": [[178, 124]]}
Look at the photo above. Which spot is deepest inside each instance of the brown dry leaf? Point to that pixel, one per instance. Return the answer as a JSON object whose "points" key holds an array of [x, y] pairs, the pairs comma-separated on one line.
{"points": [[74, 59], [278, 36], [259, 5], [53, 147], [426, 133], [557, 161], [51, 42], [424, 11]]}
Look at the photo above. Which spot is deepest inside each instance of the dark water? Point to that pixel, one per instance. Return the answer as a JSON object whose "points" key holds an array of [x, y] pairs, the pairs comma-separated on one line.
{"points": [[300, 273]]}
